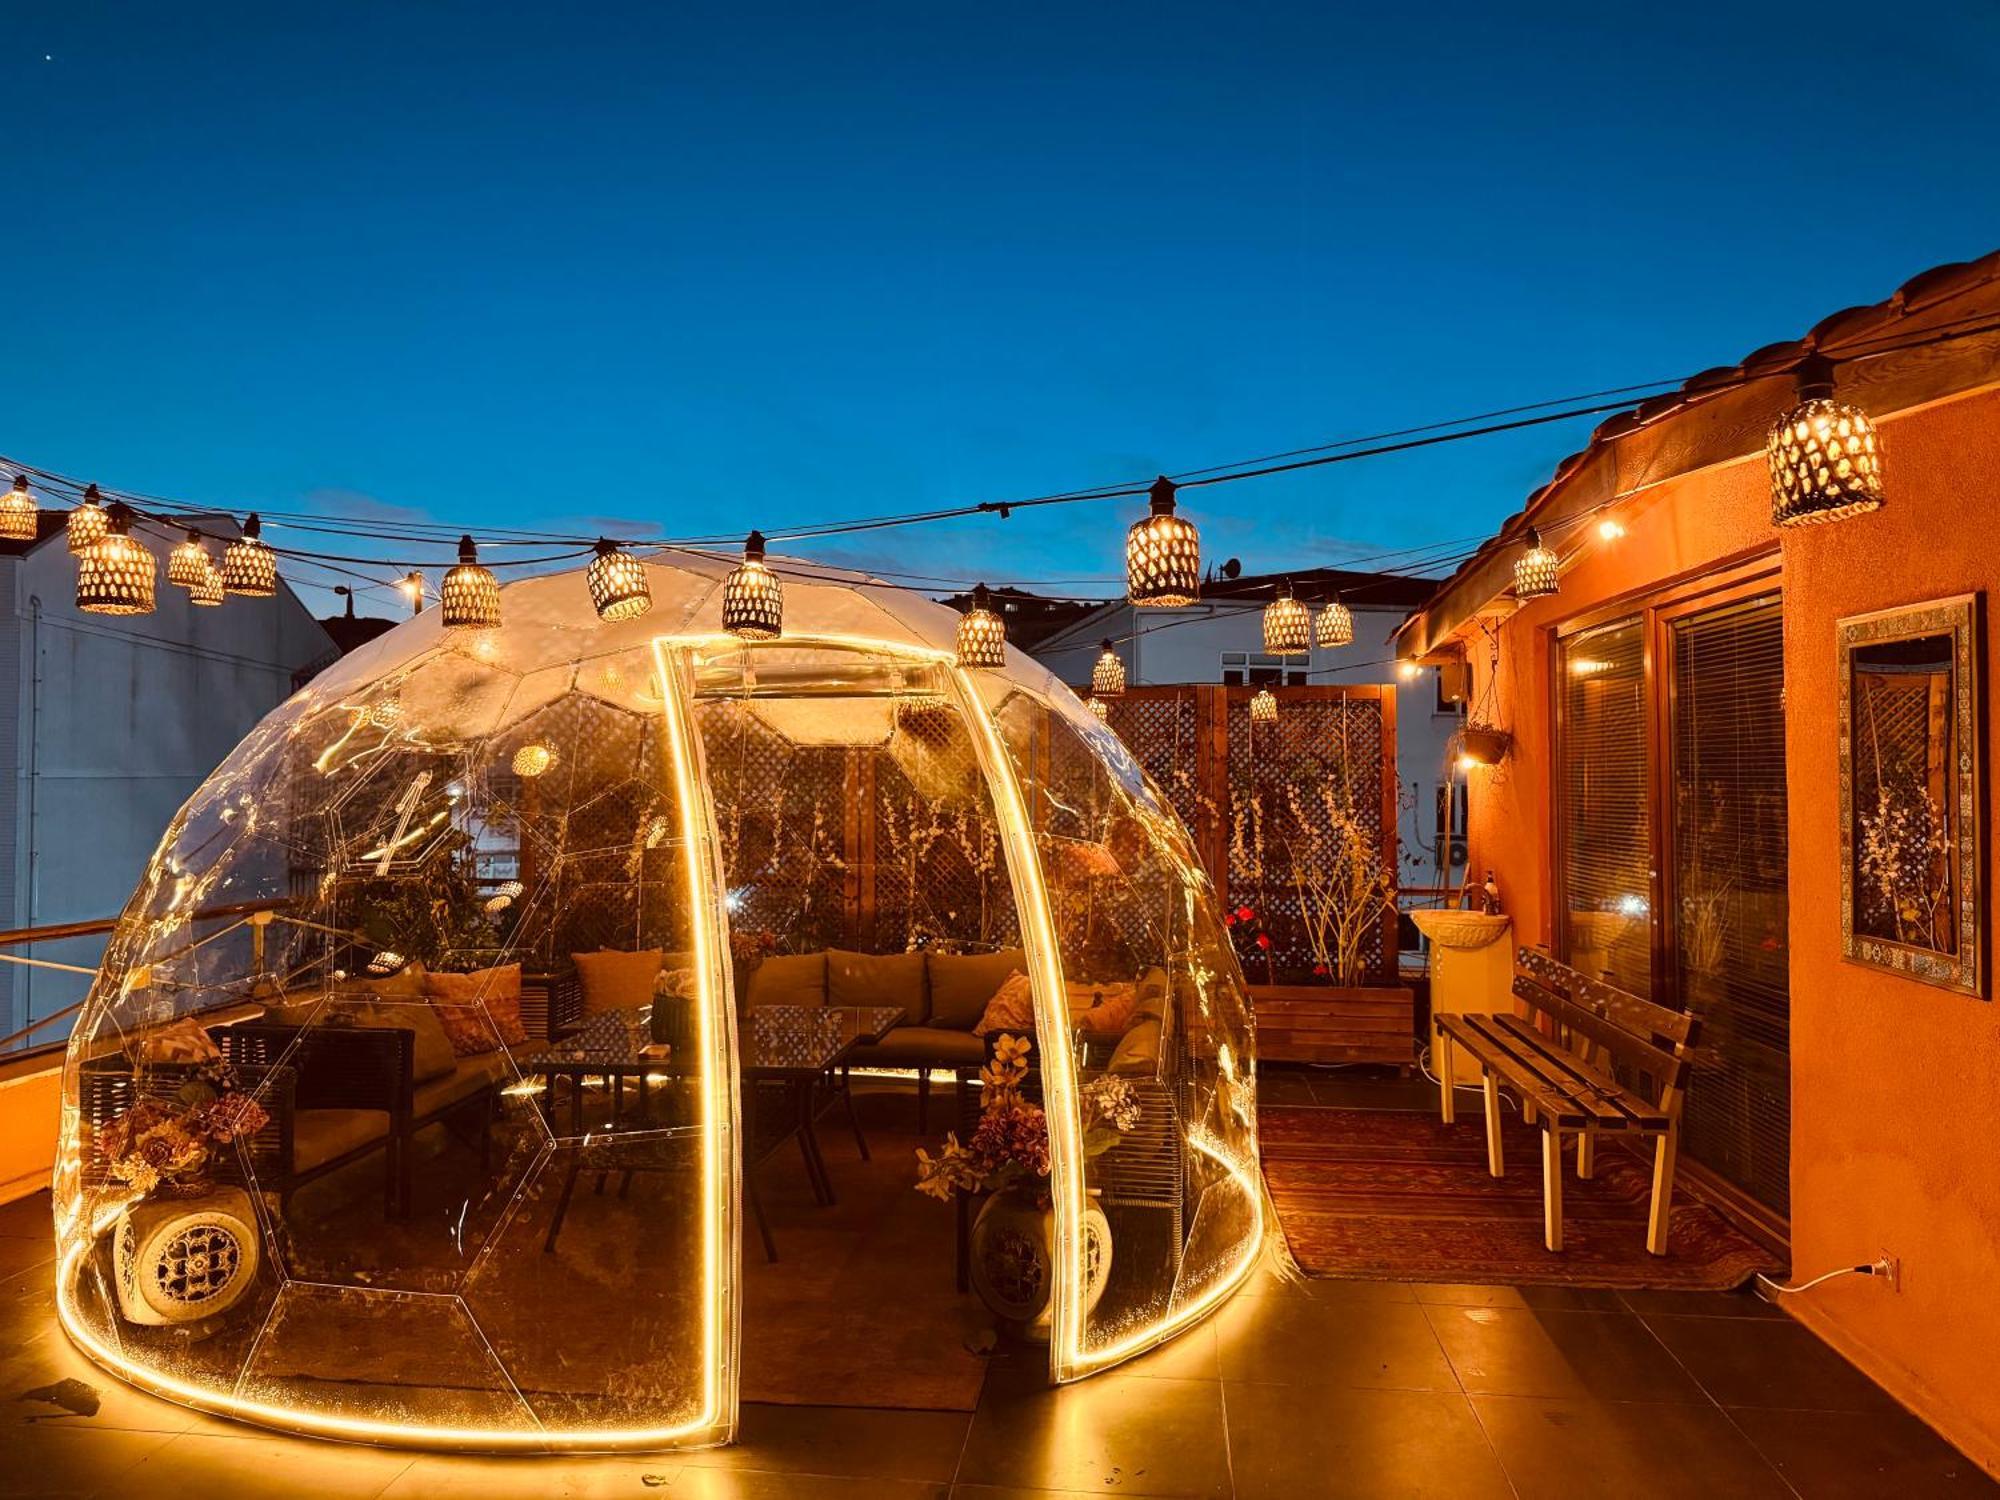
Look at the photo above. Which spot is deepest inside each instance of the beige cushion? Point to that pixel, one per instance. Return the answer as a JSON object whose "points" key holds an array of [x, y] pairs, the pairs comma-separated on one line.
{"points": [[432, 1050], [319, 1135], [962, 983], [923, 1046], [407, 983], [1152, 993], [790, 979], [1138, 1051], [878, 979], [472, 1076], [615, 979]]}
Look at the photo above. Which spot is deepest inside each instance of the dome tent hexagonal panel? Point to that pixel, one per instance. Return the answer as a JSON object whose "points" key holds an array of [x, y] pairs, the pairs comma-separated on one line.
{"points": [[450, 979]]}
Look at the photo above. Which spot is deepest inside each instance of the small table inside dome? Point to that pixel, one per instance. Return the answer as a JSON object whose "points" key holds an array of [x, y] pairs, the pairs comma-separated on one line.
{"points": [[794, 1048]]}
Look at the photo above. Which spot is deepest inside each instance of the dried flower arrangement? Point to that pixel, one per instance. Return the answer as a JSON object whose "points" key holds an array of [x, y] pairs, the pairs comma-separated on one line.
{"points": [[1010, 1146], [168, 1143]]}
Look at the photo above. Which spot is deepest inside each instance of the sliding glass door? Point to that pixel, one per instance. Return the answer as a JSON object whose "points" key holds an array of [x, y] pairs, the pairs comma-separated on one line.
{"points": [[1670, 851], [1727, 929]]}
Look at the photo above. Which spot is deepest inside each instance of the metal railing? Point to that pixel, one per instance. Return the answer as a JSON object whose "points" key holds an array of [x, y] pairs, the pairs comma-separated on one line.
{"points": [[16, 1045]]}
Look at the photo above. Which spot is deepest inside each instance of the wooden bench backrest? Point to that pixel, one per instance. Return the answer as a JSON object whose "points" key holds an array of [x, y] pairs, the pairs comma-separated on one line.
{"points": [[1652, 1039]]}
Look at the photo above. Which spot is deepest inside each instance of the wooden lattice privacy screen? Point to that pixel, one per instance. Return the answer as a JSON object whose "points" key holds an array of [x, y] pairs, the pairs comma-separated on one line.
{"points": [[1229, 780], [833, 846]]}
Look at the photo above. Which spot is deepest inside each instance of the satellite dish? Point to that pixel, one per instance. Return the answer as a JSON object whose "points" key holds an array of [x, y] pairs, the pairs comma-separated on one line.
{"points": [[1233, 568]]}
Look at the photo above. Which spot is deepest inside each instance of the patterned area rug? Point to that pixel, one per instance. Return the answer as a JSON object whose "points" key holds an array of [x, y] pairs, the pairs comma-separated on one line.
{"points": [[1398, 1196]]}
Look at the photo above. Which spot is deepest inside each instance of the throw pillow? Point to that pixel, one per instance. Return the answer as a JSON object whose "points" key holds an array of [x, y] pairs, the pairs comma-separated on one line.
{"points": [[962, 983], [1112, 1016], [1138, 1051], [616, 979], [497, 988], [182, 1041], [1012, 1008]]}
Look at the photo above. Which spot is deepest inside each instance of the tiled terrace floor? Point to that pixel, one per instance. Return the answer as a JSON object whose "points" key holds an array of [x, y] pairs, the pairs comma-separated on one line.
{"points": [[1367, 1389]]}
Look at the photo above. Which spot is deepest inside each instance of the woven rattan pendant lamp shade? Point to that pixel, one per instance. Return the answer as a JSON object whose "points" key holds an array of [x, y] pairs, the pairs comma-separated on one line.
{"points": [[1535, 571], [1826, 459], [19, 519], [86, 524], [207, 590], [753, 601], [189, 563], [1107, 675], [1163, 554], [1287, 624], [118, 575], [470, 594], [1264, 707], [1335, 626], [617, 581], [982, 635], [249, 567], [1099, 707]]}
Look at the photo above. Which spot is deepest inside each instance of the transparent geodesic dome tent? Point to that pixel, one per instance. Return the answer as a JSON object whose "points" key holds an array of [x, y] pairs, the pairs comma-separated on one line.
{"points": [[418, 1096]]}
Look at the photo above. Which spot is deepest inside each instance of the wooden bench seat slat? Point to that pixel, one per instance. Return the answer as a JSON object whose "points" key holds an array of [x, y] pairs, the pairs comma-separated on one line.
{"points": [[1639, 1113], [1526, 1057], [1501, 1055]]}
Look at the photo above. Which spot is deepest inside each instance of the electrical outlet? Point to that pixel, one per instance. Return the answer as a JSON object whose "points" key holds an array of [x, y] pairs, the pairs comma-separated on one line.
{"points": [[1889, 1269]]}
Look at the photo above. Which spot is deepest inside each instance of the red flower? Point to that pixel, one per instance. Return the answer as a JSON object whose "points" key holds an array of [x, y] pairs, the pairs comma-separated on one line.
{"points": [[1244, 914], [1321, 969], [1263, 940], [1230, 920]]}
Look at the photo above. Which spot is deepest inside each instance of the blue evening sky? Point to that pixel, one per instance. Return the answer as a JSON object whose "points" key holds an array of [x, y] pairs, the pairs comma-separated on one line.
{"points": [[709, 267]]}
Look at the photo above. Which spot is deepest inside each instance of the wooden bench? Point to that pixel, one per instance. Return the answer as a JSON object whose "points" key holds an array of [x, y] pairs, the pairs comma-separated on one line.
{"points": [[1562, 1072]]}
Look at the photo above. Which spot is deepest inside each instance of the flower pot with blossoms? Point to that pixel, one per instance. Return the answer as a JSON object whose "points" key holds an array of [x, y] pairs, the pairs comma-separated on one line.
{"points": [[1007, 1158]]}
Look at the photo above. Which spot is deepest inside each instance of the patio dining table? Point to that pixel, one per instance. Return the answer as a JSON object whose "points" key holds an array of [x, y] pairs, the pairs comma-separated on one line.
{"points": [[785, 1050]]}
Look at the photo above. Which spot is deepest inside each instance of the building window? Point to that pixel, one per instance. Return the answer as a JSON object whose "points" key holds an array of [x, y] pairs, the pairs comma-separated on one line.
{"points": [[1248, 669]]}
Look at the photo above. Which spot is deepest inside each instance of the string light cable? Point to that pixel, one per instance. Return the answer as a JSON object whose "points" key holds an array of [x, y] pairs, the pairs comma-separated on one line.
{"points": [[172, 513]]}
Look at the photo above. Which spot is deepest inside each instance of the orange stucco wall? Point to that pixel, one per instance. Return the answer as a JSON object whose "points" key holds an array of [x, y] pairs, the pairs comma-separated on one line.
{"points": [[1895, 1084]]}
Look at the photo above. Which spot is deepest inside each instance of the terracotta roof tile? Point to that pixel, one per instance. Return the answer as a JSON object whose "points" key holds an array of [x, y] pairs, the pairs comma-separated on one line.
{"points": [[1926, 289], [1718, 378], [1852, 323]]}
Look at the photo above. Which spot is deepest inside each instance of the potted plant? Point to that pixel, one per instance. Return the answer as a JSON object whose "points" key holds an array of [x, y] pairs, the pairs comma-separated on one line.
{"points": [[1007, 1158], [1345, 892], [185, 1247]]}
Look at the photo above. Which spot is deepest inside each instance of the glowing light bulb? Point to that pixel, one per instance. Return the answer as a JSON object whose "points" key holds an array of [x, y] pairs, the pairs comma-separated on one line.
{"points": [[1609, 530]]}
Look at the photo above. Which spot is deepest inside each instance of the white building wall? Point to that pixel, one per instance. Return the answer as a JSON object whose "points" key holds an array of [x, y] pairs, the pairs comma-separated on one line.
{"points": [[111, 723], [1176, 646]]}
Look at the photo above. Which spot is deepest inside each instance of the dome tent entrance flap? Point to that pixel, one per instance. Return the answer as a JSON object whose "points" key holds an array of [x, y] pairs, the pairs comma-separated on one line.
{"points": [[379, 810]]}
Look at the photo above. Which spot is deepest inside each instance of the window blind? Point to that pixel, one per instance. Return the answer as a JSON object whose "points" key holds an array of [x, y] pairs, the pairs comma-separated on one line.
{"points": [[1606, 811], [1729, 935]]}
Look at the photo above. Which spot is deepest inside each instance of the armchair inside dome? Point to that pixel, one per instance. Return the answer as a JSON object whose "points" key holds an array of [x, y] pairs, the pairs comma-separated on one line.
{"points": [[526, 1038]]}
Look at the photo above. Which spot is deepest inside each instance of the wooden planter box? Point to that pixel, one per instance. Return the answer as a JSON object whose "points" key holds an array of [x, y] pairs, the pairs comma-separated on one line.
{"points": [[1320, 1023]]}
